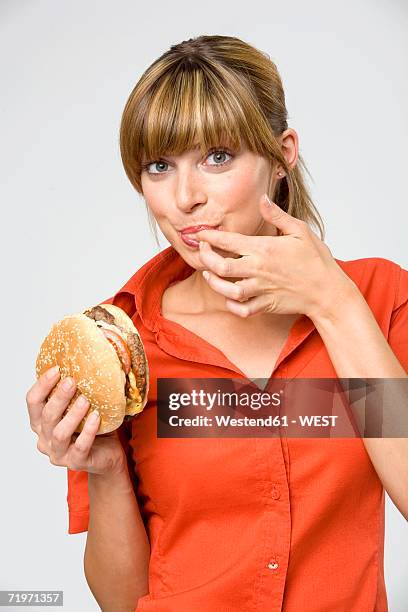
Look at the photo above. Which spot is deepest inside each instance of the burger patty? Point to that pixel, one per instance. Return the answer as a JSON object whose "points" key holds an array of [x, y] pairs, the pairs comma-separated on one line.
{"points": [[98, 313], [138, 357]]}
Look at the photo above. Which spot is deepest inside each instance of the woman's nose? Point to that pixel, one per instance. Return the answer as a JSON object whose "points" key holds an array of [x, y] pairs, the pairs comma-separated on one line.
{"points": [[189, 190]]}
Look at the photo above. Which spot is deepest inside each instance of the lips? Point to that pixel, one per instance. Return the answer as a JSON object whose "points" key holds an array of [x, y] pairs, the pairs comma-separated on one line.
{"points": [[188, 234], [196, 228]]}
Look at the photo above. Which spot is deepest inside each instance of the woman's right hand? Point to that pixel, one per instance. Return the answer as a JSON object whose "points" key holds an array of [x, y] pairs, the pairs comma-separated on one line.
{"points": [[102, 454]]}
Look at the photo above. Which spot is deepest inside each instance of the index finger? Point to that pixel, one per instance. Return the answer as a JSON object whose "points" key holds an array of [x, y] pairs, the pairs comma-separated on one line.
{"points": [[234, 242], [38, 394]]}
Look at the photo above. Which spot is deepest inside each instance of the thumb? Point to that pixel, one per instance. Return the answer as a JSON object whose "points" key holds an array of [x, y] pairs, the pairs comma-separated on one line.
{"points": [[278, 217]]}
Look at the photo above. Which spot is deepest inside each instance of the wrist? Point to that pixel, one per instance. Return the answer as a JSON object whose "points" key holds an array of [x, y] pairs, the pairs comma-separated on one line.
{"points": [[338, 299], [117, 479]]}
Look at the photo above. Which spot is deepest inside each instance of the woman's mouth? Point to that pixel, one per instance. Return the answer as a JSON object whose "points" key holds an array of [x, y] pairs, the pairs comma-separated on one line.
{"points": [[187, 235]]}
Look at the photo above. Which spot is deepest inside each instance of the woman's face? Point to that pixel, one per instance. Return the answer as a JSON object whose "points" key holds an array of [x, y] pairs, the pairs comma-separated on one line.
{"points": [[222, 188]]}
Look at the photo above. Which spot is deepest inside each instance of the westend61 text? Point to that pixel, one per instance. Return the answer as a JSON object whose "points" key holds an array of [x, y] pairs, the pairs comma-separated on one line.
{"points": [[270, 421]]}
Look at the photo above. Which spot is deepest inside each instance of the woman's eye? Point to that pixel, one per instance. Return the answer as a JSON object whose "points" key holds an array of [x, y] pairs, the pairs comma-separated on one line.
{"points": [[153, 164], [219, 156]]}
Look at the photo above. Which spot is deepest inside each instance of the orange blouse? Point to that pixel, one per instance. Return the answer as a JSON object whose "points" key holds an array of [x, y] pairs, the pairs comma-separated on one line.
{"points": [[253, 524]]}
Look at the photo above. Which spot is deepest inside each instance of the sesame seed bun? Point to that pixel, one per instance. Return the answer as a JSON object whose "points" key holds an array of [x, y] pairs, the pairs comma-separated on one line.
{"points": [[79, 347]]}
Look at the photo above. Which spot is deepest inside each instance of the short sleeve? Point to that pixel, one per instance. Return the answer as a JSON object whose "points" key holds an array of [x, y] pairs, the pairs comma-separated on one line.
{"points": [[77, 481], [398, 331], [78, 502], [77, 496]]}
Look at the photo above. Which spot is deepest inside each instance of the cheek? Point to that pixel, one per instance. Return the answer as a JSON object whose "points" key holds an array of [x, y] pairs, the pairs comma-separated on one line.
{"points": [[155, 201], [154, 195], [242, 192]]}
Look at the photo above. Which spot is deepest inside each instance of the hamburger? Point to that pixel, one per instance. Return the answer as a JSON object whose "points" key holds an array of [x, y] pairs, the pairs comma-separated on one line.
{"points": [[102, 351]]}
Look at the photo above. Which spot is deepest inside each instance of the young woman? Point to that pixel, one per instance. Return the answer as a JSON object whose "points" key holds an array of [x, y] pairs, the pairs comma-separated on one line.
{"points": [[234, 524]]}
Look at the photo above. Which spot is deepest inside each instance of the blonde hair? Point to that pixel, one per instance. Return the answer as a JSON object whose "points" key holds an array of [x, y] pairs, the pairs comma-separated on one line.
{"points": [[213, 90]]}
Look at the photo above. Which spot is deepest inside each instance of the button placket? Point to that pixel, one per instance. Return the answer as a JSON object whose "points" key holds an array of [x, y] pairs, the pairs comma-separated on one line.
{"points": [[273, 564], [277, 524]]}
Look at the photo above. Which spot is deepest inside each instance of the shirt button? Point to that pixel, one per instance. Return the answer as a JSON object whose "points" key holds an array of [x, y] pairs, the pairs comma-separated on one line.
{"points": [[275, 493], [272, 565]]}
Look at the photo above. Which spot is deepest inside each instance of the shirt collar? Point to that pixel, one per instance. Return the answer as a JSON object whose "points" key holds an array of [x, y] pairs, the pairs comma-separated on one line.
{"points": [[148, 284]]}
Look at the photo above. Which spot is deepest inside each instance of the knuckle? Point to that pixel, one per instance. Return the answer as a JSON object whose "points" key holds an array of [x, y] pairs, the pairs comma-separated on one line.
{"points": [[35, 427], [277, 214], [30, 397], [47, 416], [240, 293], [54, 460], [41, 447], [219, 268], [270, 308], [80, 446], [58, 437], [226, 267]]}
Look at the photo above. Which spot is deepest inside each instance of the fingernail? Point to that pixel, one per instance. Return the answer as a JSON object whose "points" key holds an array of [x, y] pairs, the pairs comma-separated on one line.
{"points": [[67, 384], [94, 416], [82, 401], [267, 200], [206, 274], [52, 372]]}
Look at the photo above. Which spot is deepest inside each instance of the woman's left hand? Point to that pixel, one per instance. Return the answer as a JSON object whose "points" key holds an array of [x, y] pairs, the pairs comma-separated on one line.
{"points": [[287, 274]]}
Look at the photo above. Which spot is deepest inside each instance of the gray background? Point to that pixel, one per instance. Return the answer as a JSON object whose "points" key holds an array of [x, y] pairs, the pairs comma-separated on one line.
{"points": [[74, 230]]}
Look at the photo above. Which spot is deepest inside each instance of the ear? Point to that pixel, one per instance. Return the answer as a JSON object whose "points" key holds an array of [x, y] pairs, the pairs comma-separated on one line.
{"points": [[289, 141]]}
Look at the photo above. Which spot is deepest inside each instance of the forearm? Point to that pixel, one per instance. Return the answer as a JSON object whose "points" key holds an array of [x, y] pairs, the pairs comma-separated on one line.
{"points": [[358, 349], [353, 339], [117, 548]]}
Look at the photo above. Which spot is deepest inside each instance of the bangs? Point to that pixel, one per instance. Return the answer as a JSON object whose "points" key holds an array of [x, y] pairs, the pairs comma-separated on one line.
{"points": [[191, 107]]}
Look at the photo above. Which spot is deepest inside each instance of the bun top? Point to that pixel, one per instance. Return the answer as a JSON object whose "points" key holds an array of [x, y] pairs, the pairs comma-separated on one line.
{"points": [[78, 346]]}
